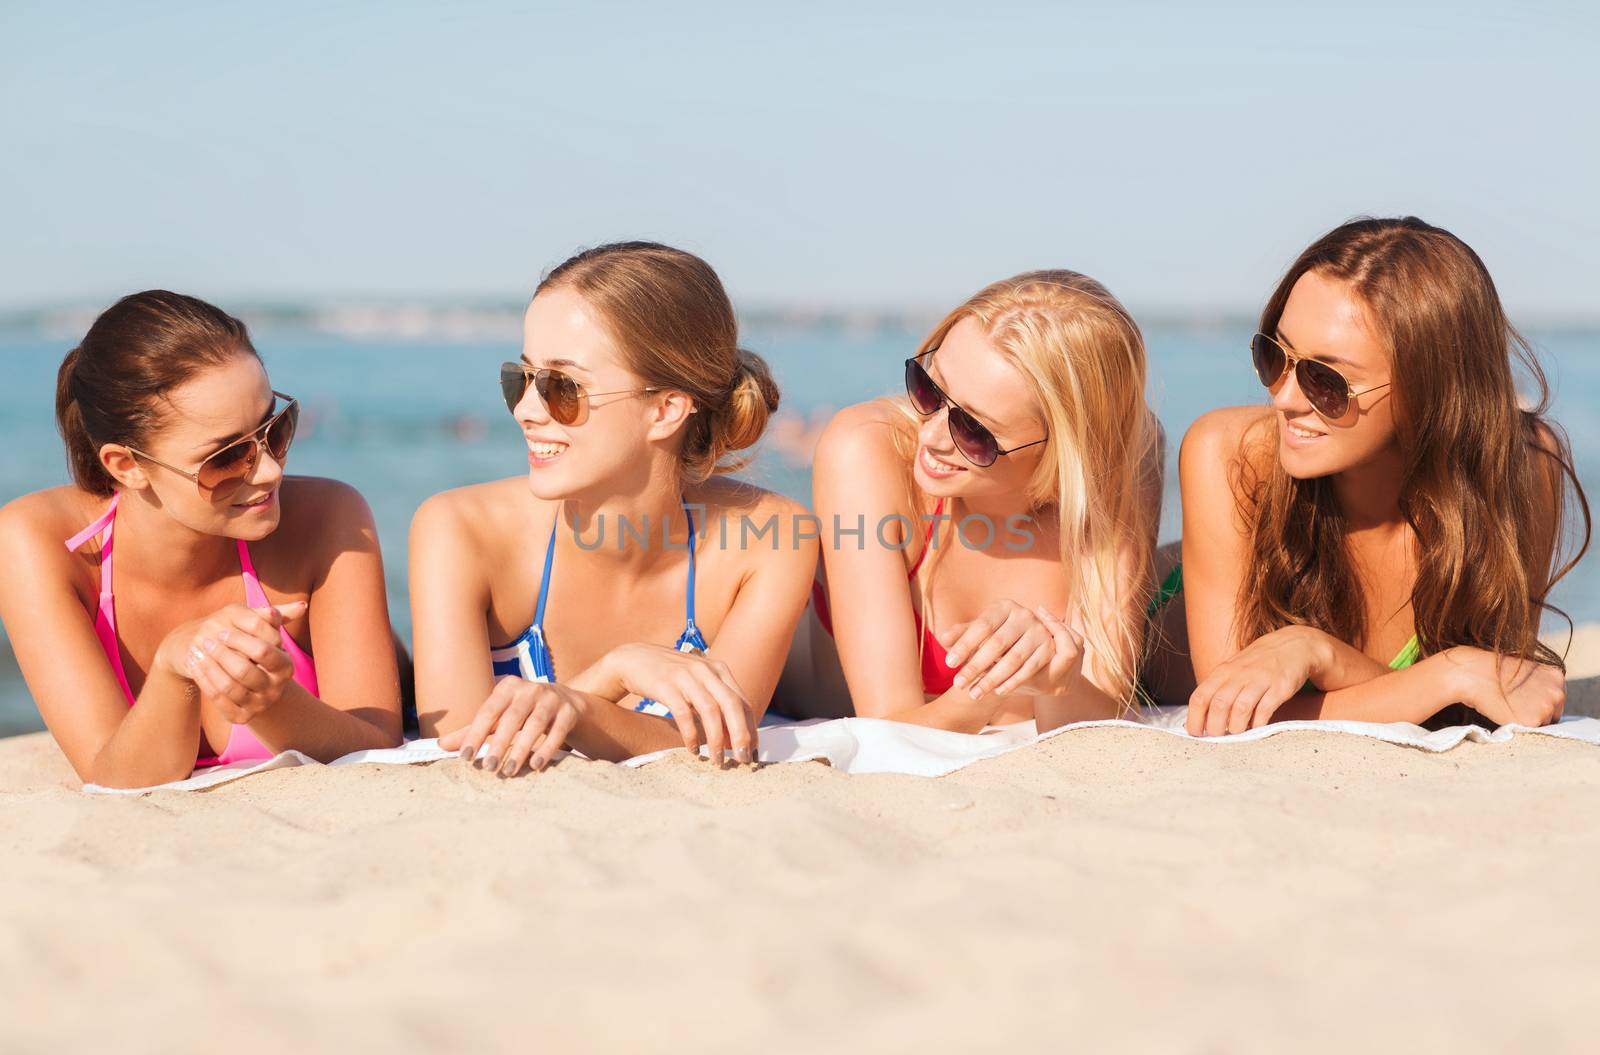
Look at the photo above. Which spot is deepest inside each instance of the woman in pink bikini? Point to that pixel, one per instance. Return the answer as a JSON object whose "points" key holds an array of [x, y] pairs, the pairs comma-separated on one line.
{"points": [[988, 540], [229, 576]]}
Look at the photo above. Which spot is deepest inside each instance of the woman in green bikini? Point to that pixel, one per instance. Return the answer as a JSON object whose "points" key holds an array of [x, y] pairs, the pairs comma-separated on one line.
{"points": [[1378, 542]]}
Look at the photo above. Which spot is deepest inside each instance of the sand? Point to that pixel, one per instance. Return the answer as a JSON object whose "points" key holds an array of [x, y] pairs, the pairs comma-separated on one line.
{"points": [[1109, 889]]}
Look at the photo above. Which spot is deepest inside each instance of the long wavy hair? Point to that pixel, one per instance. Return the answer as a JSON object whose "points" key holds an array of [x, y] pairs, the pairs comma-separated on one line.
{"points": [[1083, 357], [1487, 481]]}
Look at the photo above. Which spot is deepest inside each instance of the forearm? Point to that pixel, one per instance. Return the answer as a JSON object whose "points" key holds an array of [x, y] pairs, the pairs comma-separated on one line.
{"points": [[1086, 702], [609, 733], [158, 739], [1337, 665], [302, 722], [612, 733], [1413, 695], [954, 710]]}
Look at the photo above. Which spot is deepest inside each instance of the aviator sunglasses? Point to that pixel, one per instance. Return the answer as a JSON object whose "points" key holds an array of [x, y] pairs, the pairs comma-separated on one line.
{"points": [[972, 438], [1324, 387], [565, 399], [224, 472]]}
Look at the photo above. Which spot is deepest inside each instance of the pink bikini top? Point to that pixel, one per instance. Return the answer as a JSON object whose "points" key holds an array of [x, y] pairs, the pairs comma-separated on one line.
{"points": [[242, 744]]}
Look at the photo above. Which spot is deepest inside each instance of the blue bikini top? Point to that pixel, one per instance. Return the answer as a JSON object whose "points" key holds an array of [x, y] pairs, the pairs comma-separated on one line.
{"points": [[529, 655]]}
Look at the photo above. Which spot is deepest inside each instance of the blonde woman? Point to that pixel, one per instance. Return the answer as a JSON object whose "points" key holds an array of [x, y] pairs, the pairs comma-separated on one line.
{"points": [[610, 598], [987, 541]]}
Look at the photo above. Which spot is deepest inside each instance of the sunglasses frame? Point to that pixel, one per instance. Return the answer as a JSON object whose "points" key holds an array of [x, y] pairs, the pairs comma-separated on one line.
{"points": [[945, 401], [257, 437], [1293, 362], [531, 376]]}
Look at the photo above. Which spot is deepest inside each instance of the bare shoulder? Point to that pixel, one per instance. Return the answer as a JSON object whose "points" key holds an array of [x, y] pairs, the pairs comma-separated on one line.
{"points": [[319, 500], [739, 502], [34, 528], [50, 516], [862, 433], [1218, 440], [480, 513]]}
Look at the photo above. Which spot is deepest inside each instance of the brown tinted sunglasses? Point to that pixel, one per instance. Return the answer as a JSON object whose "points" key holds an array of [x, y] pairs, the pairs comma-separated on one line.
{"points": [[1324, 387], [224, 472], [565, 399]]}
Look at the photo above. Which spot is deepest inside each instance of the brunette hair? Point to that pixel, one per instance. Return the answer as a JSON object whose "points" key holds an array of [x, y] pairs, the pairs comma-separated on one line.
{"points": [[676, 328], [1487, 481], [140, 348]]}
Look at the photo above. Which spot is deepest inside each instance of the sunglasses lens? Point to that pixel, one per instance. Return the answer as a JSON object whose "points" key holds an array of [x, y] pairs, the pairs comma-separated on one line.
{"points": [[225, 470], [920, 387], [513, 383], [976, 443], [561, 394], [281, 432], [1324, 388], [1268, 358]]}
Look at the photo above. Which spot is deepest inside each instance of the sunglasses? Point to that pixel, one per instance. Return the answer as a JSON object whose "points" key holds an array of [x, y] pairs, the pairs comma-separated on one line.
{"points": [[565, 399], [1324, 387], [971, 437], [224, 472]]}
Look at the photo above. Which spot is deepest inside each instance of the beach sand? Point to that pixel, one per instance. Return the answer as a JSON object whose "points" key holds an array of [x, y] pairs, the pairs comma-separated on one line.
{"points": [[1107, 889]]}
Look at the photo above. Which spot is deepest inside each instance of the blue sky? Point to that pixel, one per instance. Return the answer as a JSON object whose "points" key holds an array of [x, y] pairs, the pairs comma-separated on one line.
{"points": [[841, 154]]}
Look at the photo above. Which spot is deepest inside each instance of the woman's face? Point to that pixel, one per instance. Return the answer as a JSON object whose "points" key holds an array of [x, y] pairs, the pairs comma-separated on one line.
{"points": [[1323, 320], [210, 411], [612, 432], [974, 373]]}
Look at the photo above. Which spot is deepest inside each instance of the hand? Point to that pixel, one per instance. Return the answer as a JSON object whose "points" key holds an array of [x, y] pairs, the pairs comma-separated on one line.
{"points": [[1508, 690], [1010, 650], [1248, 689], [707, 704], [520, 719], [235, 657]]}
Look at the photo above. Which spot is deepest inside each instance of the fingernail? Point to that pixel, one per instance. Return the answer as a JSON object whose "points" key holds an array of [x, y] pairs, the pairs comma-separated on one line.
{"points": [[208, 645], [954, 659], [466, 753], [976, 692], [492, 762], [742, 755]]}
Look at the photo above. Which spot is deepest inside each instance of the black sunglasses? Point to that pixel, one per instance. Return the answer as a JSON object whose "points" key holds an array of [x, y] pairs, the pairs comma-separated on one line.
{"points": [[972, 438], [1325, 388]]}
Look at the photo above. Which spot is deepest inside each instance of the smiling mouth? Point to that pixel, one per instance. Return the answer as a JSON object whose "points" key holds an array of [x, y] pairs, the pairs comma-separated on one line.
{"points": [[543, 453], [937, 466], [1301, 433], [259, 503]]}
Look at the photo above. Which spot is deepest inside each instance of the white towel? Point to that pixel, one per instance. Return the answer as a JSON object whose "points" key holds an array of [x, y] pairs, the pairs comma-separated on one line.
{"points": [[872, 745]]}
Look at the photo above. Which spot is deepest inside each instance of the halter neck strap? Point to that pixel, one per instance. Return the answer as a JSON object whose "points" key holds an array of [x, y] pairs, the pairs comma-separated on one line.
{"points": [[101, 523]]}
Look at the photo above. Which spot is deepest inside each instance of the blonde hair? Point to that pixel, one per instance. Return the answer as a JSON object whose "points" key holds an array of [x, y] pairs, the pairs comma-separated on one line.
{"points": [[676, 328], [1083, 357]]}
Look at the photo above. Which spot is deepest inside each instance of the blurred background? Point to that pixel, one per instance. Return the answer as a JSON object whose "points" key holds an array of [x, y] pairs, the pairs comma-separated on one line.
{"points": [[376, 188]]}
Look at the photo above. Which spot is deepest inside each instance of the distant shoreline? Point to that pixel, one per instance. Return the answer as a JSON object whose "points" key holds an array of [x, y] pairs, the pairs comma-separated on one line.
{"points": [[487, 319]]}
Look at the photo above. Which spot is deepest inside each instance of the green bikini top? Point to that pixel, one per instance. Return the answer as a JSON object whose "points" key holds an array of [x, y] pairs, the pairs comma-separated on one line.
{"points": [[1172, 585]]}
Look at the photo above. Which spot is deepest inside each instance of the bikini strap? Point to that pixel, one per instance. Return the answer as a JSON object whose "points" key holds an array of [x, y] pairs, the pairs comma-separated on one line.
{"points": [[101, 523], [254, 595], [544, 579], [689, 602], [938, 509], [105, 522]]}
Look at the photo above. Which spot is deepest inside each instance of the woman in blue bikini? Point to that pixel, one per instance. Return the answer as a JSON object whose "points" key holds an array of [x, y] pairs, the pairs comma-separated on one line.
{"points": [[625, 595]]}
